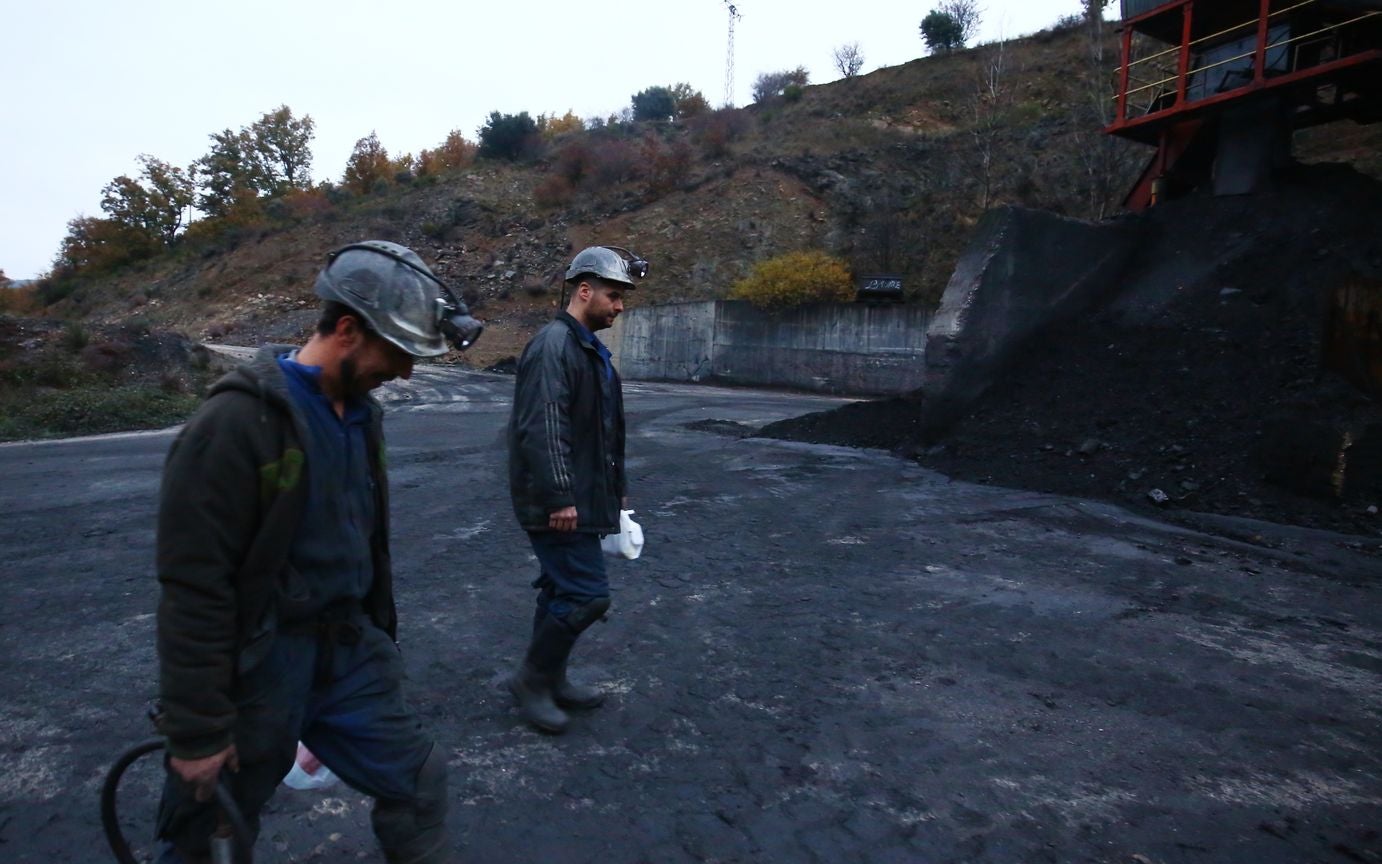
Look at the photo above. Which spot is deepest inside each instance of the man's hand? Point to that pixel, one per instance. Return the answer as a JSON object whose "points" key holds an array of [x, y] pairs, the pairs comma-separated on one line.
{"points": [[202, 773], [563, 519]]}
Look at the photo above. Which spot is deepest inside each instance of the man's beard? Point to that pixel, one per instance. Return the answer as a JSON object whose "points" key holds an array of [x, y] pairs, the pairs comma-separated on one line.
{"points": [[351, 385]]}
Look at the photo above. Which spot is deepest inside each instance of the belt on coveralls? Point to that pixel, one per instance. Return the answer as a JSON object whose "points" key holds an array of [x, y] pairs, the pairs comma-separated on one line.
{"points": [[334, 625]]}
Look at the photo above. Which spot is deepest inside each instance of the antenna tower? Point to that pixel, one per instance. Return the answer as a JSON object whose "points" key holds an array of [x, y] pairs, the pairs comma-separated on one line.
{"points": [[729, 55]]}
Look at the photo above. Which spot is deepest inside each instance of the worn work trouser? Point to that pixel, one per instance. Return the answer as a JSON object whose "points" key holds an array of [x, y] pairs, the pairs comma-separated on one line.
{"points": [[573, 571], [351, 714]]}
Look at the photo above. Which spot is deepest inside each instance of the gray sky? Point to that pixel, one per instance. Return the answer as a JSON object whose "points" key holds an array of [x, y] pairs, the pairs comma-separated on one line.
{"points": [[91, 84]]}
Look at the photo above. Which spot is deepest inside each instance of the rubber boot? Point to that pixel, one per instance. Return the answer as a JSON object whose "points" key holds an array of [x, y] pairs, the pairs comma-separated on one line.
{"points": [[413, 831], [567, 694], [534, 684]]}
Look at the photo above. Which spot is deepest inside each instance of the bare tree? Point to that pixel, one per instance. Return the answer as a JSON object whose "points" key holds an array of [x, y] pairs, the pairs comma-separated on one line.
{"points": [[967, 16], [849, 59], [988, 110], [1109, 163]]}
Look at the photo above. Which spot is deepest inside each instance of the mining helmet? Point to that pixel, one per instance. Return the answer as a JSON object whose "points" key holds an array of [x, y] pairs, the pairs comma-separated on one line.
{"points": [[389, 287], [612, 263]]}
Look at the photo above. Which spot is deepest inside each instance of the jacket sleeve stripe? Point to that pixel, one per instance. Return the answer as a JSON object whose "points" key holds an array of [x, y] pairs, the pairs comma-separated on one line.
{"points": [[561, 474]]}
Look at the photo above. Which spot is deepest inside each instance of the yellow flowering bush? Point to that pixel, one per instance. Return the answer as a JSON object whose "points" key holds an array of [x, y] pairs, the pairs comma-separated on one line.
{"points": [[794, 279]]}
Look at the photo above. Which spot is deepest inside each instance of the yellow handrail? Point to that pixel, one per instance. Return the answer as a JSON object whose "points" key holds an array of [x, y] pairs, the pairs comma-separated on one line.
{"points": [[1285, 42], [1288, 41], [1225, 32]]}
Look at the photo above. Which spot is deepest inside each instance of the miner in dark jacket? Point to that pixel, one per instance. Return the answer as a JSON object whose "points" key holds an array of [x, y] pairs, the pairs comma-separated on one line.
{"points": [[566, 476], [276, 618]]}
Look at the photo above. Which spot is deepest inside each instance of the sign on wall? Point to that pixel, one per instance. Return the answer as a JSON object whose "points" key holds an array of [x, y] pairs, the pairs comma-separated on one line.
{"points": [[878, 288]]}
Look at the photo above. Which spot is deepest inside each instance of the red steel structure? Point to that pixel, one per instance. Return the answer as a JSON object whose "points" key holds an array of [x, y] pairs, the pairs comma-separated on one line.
{"points": [[1218, 86]]}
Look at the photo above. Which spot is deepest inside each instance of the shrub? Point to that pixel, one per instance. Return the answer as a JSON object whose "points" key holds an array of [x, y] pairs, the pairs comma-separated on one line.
{"points": [[54, 290], [573, 162], [306, 203], [612, 161], [91, 410], [74, 336], [107, 357], [795, 278], [714, 131], [554, 191], [339, 194], [770, 84], [667, 165], [18, 301]]}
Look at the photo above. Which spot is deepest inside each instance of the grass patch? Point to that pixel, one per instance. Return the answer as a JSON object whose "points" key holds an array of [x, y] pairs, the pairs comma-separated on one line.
{"points": [[91, 409]]}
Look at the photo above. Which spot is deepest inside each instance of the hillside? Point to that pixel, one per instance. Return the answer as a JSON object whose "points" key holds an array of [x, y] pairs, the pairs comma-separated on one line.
{"points": [[889, 170], [886, 170]]}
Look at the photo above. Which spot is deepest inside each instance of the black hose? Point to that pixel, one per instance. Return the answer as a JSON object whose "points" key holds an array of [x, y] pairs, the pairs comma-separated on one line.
{"points": [[244, 848]]}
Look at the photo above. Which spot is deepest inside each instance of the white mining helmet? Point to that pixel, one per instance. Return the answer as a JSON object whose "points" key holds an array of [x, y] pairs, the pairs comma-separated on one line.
{"points": [[390, 287]]}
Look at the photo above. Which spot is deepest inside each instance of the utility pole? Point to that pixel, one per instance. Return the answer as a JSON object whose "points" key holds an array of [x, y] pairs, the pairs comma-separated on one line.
{"points": [[729, 55]]}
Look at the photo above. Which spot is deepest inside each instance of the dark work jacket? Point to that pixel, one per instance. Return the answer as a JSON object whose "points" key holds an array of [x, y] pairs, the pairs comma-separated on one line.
{"points": [[558, 452], [232, 498]]}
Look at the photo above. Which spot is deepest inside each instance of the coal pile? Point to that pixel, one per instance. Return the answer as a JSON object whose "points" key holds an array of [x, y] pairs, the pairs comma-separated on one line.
{"points": [[1198, 386]]}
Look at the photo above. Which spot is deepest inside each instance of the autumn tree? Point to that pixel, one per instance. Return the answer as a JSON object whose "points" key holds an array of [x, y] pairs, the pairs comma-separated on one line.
{"points": [[849, 60], [368, 164], [270, 157], [551, 126], [97, 245], [282, 149], [690, 102], [452, 154], [154, 204], [227, 172]]}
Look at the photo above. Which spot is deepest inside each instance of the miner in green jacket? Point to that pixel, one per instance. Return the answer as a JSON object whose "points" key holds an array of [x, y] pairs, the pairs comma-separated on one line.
{"points": [[276, 619]]}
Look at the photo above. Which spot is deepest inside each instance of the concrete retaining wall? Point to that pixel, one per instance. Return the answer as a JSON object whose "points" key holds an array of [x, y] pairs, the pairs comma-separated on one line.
{"points": [[832, 348], [1023, 271]]}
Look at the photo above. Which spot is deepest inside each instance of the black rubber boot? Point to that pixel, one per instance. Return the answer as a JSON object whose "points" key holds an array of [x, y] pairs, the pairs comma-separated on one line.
{"points": [[534, 684], [567, 694]]}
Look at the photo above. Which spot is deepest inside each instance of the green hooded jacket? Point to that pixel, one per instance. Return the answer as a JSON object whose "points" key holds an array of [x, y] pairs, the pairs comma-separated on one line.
{"points": [[231, 501]]}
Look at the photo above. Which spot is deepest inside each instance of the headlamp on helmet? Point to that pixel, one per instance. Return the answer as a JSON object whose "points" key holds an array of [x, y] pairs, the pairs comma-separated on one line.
{"points": [[395, 293]]}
